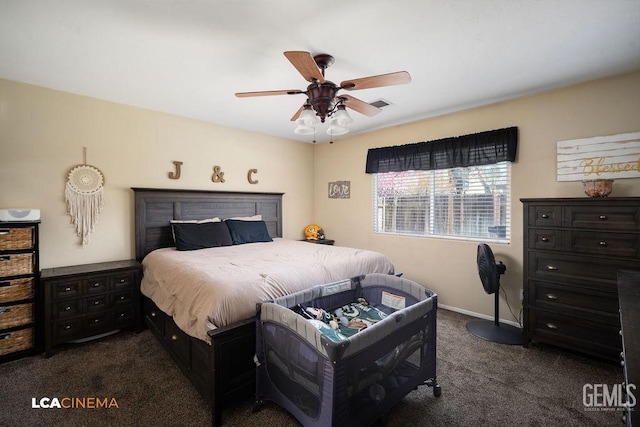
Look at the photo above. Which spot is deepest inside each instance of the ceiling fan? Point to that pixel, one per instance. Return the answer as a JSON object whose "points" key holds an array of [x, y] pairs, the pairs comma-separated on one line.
{"points": [[322, 99]]}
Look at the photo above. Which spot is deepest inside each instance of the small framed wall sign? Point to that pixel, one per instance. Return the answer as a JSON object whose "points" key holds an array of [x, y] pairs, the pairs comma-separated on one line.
{"points": [[340, 190]]}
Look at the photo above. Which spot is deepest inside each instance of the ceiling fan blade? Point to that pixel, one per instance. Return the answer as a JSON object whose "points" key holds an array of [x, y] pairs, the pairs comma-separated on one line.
{"points": [[268, 93], [297, 114], [305, 64], [397, 78], [360, 106]]}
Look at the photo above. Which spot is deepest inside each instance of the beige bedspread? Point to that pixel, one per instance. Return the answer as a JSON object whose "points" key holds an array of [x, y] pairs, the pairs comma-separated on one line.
{"points": [[220, 286]]}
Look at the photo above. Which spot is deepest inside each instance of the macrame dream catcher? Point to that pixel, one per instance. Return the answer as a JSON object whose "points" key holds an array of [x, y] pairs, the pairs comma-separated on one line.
{"points": [[84, 195]]}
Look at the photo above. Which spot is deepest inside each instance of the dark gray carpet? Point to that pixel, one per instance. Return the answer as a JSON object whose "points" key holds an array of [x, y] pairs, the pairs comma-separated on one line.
{"points": [[483, 384]]}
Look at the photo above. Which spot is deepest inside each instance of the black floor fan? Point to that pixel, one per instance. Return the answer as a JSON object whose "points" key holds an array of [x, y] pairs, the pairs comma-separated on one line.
{"points": [[493, 331]]}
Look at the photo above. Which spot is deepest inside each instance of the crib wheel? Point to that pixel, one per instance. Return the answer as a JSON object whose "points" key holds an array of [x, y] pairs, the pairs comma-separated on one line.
{"points": [[257, 405], [437, 390]]}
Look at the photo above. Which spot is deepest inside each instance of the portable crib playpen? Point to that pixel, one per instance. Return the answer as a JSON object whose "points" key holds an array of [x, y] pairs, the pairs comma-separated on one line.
{"points": [[324, 378]]}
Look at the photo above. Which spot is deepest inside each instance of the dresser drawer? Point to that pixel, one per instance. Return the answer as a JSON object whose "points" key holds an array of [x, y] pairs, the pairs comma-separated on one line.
{"points": [[16, 264], [583, 271], [17, 238], [16, 289], [66, 330], [96, 284], [575, 300], [67, 289], [607, 244], [15, 315], [545, 216], [603, 217], [545, 239], [14, 341], [576, 332], [67, 309], [121, 299], [123, 317], [123, 281], [96, 304]]}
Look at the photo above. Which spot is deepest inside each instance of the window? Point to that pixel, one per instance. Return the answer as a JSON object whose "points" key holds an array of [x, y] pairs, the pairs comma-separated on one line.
{"points": [[466, 202]]}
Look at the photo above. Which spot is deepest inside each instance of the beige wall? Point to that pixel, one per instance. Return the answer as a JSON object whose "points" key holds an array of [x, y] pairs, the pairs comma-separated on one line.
{"points": [[42, 135], [604, 107]]}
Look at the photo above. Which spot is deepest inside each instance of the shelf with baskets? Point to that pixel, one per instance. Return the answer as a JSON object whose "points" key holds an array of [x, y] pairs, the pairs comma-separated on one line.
{"points": [[19, 295]]}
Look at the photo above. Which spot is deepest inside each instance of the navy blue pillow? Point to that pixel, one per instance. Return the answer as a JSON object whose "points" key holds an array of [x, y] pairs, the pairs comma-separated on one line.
{"points": [[248, 231], [192, 236]]}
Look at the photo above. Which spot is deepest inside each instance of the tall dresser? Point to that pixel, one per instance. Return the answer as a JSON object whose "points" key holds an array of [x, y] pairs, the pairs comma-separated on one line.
{"points": [[19, 295], [573, 249]]}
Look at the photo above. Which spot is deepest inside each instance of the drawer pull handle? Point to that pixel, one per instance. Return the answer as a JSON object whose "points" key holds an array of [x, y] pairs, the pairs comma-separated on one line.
{"points": [[122, 280], [603, 217], [5, 310], [67, 327], [545, 239], [545, 216], [552, 326], [552, 267], [4, 232], [622, 363], [67, 289], [603, 243], [122, 298], [5, 258], [96, 303], [153, 314], [174, 337], [67, 308], [96, 320], [4, 284], [122, 314], [552, 296], [96, 285], [5, 336]]}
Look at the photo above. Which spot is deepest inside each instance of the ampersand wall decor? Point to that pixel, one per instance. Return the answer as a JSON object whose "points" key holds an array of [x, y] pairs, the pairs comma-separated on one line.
{"points": [[217, 175]]}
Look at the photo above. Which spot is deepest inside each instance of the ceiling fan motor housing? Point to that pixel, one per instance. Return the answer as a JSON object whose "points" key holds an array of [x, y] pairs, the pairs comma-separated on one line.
{"points": [[322, 98]]}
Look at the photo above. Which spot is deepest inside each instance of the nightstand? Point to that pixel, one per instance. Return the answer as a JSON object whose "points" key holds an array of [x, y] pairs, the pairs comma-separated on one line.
{"points": [[321, 241], [89, 300]]}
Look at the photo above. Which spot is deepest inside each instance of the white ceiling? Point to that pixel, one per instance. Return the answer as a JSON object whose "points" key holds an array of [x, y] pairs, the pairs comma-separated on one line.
{"points": [[189, 57]]}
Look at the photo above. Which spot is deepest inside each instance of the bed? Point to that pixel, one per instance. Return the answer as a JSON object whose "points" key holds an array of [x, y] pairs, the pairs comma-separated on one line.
{"points": [[216, 351]]}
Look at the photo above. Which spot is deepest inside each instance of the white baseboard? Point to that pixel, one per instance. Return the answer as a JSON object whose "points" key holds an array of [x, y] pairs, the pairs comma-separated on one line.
{"points": [[474, 314]]}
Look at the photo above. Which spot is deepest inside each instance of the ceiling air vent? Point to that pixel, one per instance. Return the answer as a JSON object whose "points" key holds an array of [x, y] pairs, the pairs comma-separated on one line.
{"points": [[380, 103]]}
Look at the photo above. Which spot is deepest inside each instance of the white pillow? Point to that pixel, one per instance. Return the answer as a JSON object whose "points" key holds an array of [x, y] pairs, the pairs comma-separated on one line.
{"points": [[247, 218], [194, 221]]}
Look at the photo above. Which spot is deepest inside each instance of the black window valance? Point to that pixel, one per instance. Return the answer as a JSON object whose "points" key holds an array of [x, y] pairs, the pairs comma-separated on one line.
{"points": [[476, 149]]}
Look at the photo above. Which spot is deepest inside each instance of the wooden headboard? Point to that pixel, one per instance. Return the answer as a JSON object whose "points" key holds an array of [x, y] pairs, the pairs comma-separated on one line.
{"points": [[154, 208]]}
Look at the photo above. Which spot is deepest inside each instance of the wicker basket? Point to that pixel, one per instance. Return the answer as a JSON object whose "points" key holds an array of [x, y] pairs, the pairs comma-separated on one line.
{"points": [[11, 342], [15, 264], [15, 315], [16, 238], [16, 290]]}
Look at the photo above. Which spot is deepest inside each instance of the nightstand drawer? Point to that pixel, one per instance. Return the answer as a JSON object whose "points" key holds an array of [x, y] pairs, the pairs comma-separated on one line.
{"points": [[16, 289], [67, 330], [14, 341], [17, 238], [123, 317], [94, 324], [121, 299], [16, 264], [96, 304], [15, 315]]}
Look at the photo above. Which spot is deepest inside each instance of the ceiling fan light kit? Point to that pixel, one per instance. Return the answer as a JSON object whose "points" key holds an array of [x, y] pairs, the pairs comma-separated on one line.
{"points": [[322, 99]]}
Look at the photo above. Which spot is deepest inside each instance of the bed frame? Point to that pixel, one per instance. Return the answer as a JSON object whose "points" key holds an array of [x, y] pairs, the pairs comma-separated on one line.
{"points": [[224, 371]]}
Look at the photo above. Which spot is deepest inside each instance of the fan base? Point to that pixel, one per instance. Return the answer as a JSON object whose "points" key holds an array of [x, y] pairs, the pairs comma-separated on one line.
{"points": [[501, 334]]}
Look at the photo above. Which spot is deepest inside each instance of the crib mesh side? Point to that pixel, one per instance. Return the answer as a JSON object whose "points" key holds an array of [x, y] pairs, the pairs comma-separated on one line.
{"points": [[374, 370]]}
